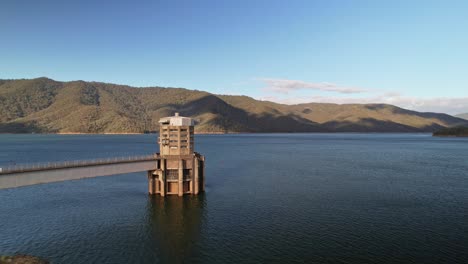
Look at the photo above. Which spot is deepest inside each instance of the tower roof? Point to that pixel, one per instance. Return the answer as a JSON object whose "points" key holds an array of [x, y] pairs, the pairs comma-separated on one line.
{"points": [[177, 120]]}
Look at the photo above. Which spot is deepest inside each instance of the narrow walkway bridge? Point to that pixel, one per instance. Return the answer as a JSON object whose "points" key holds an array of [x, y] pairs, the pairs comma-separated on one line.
{"points": [[23, 175]]}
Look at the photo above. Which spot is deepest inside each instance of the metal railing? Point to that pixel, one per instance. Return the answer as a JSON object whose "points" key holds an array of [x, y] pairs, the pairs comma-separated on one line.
{"points": [[73, 164]]}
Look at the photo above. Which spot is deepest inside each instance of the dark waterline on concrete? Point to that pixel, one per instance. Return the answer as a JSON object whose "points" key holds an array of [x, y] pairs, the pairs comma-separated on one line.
{"points": [[276, 198]]}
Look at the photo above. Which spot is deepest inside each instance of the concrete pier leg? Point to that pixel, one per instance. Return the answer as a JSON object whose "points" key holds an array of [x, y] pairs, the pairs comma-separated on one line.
{"points": [[163, 177], [203, 175], [181, 177], [192, 176], [196, 179], [151, 189]]}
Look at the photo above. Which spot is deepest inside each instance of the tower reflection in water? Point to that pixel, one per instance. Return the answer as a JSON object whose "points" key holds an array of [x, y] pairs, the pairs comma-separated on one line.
{"points": [[175, 224]]}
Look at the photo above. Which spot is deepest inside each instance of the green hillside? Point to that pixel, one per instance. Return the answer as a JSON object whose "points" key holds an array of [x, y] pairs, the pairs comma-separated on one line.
{"points": [[46, 106]]}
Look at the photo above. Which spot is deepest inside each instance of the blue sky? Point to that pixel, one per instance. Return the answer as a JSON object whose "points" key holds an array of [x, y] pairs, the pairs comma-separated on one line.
{"points": [[409, 53]]}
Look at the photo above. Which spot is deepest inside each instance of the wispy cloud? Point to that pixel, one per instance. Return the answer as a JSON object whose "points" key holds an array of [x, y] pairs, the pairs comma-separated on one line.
{"points": [[284, 92], [285, 86], [448, 105]]}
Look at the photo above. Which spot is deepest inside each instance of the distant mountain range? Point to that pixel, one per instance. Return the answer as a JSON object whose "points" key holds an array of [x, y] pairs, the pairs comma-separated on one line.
{"points": [[43, 105], [464, 116]]}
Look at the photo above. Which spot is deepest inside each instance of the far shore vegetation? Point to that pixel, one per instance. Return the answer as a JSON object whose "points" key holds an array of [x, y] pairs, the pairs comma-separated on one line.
{"points": [[43, 105], [460, 131], [22, 259]]}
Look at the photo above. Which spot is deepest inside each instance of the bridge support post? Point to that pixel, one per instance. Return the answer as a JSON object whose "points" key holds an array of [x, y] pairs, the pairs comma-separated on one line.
{"points": [[181, 177]]}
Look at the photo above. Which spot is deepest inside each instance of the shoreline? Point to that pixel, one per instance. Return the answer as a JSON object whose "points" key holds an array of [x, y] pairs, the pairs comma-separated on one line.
{"points": [[222, 133], [450, 136], [118, 133], [24, 259], [459, 131]]}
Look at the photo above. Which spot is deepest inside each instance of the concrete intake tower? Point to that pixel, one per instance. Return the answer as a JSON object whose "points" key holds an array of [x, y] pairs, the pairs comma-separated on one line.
{"points": [[179, 169]]}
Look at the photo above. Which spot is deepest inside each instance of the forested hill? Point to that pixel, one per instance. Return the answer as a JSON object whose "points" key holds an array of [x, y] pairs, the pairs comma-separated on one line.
{"points": [[46, 106]]}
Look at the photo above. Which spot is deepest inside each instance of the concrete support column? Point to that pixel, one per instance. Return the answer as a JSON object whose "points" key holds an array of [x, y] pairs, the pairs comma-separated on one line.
{"points": [[192, 176], [151, 183], [181, 177], [196, 176], [162, 177], [203, 175]]}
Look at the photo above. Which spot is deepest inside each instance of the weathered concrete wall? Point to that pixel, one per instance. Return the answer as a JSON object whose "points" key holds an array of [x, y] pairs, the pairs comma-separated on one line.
{"points": [[177, 175], [175, 140], [55, 175]]}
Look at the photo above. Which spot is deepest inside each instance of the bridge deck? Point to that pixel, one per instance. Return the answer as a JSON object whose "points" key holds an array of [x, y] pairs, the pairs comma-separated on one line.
{"points": [[24, 175], [73, 164]]}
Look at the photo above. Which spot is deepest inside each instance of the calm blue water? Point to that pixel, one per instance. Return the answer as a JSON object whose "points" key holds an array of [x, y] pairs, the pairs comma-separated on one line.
{"points": [[270, 198]]}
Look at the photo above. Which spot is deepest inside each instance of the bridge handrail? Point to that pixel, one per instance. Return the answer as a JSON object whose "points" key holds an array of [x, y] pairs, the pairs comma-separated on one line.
{"points": [[73, 163]]}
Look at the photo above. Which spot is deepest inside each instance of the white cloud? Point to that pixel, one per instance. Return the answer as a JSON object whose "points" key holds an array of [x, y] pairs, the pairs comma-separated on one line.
{"points": [[448, 105], [285, 86]]}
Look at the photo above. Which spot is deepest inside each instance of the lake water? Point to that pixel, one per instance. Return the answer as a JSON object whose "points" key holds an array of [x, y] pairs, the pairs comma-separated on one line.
{"points": [[270, 198]]}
